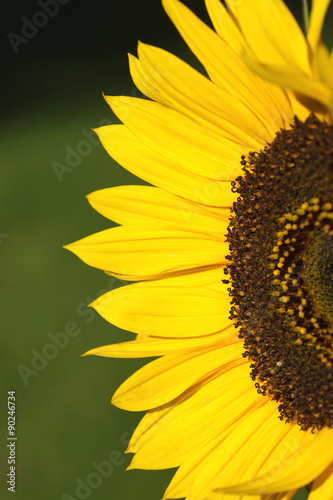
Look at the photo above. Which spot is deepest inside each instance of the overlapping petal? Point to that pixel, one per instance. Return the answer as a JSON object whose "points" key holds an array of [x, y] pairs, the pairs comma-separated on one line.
{"points": [[178, 138], [306, 463], [155, 168], [151, 346], [166, 79], [225, 25], [228, 70], [166, 378], [271, 33], [305, 87], [293, 65], [318, 11], [211, 457], [323, 486], [190, 422]]}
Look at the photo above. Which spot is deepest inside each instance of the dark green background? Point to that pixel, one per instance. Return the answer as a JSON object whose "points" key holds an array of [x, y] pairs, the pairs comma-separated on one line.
{"points": [[51, 97]]}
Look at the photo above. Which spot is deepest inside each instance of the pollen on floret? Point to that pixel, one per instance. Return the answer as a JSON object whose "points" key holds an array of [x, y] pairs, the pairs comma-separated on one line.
{"points": [[286, 268]]}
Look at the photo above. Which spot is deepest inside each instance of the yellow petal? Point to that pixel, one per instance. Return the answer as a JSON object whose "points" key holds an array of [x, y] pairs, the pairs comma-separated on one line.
{"points": [[272, 32], [149, 346], [166, 311], [213, 455], [166, 378], [208, 277], [178, 138], [324, 67], [322, 487], [243, 452], [293, 79], [195, 96], [191, 421], [227, 69], [318, 12], [225, 25], [237, 377], [145, 204], [299, 110], [151, 166], [288, 495], [243, 456], [145, 251], [279, 496], [300, 468]]}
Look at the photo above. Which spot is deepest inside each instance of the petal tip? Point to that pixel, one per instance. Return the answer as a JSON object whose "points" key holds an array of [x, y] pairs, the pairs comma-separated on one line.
{"points": [[69, 247], [130, 467]]}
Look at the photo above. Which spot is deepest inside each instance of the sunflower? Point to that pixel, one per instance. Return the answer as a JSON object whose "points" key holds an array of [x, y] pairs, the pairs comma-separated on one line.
{"points": [[232, 253]]}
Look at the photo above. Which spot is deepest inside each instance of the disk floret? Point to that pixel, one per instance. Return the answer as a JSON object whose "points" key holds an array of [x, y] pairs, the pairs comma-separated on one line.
{"points": [[281, 270]]}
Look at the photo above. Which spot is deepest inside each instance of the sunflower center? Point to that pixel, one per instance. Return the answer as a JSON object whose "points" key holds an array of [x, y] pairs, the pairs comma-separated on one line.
{"points": [[281, 270]]}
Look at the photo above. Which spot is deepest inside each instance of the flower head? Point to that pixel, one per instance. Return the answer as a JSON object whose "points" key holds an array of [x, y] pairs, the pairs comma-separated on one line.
{"points": [[232, 253]]}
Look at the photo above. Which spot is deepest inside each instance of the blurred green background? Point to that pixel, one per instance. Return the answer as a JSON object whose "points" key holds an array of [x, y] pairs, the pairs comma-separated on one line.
{"points": [[51, 97]]}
